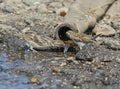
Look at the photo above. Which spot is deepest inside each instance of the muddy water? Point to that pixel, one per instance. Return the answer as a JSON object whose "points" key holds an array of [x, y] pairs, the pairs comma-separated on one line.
{"points": [[55, 70], [12, 81], [7, 63]]}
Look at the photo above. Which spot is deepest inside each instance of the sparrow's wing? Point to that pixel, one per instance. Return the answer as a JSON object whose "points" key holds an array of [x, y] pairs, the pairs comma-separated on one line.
{"points": [[73, 35], [79, 36]]}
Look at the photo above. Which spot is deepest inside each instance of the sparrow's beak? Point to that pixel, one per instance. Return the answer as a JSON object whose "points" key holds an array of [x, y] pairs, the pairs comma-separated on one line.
{"points": [[66, 47]]}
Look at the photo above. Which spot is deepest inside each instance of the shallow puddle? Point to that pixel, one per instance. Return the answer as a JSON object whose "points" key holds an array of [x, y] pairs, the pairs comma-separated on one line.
{"points": [[12, 81], [6, 63], [16, 81]]}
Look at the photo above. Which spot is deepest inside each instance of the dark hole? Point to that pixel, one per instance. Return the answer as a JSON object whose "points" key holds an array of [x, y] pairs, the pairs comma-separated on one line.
{"points": [[62, 33]]}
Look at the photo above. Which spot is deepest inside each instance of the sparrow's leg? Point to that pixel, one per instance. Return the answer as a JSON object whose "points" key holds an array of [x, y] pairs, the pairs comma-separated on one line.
{"points": [[66, 47], [78, 43], [28, 48]]}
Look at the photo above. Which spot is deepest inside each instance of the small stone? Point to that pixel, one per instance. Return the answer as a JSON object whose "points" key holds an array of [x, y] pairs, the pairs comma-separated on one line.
{"points": [[27, 2], [12, 54], [56, 70], [25, 30], [84, 55], [55, 5], [63, 64], [8, 9], [46, 1], [115, 25], [118, 60], [112, 43], [43, 8], [104, 30], [70, 59], [62, 11], [31, 2], [89, 63], [33, 80], [36, 3], [54, 64], [17, 13], [29, 22]]}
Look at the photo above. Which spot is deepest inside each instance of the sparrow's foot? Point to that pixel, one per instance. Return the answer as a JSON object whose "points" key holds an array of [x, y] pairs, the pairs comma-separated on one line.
{"points": [[66, 47], [28, 48]]}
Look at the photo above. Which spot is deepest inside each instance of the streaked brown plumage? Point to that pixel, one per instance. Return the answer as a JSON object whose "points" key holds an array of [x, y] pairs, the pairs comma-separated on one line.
{"points": [[79, 39]]}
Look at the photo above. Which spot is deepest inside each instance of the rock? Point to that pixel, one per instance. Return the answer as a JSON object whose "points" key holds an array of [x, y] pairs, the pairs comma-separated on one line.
{"points": [[29, 22], [63, 64], [31, 2], [104, 30], [116, 25], [109, 42], [68, 3], [62, 11], [8, 9], [55, 5], [118, 59], [46, 1], [13, 43], [97, 53], [26, 29], [72, 60], [56, 70], [26, 2], [33, 80], [110, 24], [42, 8], [86, 53]]}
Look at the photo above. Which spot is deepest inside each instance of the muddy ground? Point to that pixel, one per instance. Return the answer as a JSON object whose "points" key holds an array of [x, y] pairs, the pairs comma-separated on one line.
{"points": [[23, 68]]}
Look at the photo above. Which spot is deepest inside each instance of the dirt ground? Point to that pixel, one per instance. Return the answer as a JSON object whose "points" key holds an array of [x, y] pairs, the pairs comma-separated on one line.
{"points": [[93, 67]]}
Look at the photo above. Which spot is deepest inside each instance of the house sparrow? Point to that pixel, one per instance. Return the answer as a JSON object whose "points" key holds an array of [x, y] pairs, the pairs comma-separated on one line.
{"points": [[79, 39]]}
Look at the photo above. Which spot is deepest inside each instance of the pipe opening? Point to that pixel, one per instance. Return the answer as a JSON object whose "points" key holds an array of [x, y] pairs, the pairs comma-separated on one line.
{"points": [[62, 33]]}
